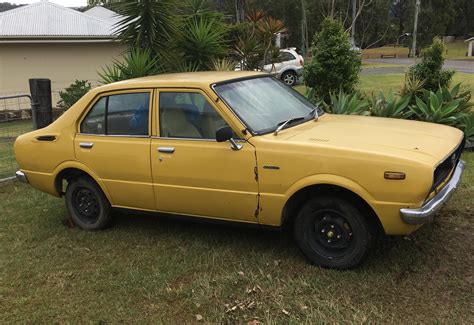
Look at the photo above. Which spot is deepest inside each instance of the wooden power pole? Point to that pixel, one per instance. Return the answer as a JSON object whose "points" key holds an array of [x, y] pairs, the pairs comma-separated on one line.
{"points": [[41, 110], [353, 27], [304, 29], [415, 28]]}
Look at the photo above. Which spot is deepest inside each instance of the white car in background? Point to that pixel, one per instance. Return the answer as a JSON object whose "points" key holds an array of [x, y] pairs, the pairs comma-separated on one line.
{"points": [[289, 69]]}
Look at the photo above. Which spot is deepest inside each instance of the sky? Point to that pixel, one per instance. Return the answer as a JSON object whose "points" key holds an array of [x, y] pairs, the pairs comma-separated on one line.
{"points": [[66, 3]]}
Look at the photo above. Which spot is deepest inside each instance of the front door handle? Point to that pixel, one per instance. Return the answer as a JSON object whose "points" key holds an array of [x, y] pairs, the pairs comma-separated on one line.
{"points": [[86, 145], [166, 149]]}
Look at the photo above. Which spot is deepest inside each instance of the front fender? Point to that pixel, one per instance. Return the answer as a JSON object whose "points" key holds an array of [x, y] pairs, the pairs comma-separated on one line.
{"points": [[272, 205], [329, 179]]}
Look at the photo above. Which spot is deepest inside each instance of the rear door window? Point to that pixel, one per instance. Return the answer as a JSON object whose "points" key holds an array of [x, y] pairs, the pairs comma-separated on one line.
{"points": [[127, 114], [94, 122], [121, 114]]}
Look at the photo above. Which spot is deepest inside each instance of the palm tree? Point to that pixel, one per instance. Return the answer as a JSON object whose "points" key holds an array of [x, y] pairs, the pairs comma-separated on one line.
{"points": [[203, 42], [202, 35], [148, 24]]}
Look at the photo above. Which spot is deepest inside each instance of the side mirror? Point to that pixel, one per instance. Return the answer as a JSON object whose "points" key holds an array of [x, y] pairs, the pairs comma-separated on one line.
{"points": [[225, 134]]}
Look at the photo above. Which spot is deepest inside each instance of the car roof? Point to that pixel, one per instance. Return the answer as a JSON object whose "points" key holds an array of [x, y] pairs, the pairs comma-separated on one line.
{"points": [[187, 79]]}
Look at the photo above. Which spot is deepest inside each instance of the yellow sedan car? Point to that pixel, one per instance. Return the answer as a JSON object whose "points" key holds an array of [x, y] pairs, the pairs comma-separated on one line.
{"points": [[243, 147]]}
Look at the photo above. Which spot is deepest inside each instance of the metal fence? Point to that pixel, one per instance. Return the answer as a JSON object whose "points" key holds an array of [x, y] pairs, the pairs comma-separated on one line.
{"points": [[15, 120]]}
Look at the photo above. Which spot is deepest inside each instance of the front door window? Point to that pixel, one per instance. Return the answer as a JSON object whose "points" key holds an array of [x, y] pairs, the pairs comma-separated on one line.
{"points": [[188, 115]]}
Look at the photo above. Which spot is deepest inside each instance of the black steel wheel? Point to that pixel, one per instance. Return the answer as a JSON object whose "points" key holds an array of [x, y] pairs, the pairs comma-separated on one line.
{"points": [[289, 78], [87, 204], [333, 232]]}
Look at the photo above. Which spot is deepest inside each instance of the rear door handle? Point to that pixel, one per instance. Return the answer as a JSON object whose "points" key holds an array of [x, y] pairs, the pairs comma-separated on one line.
{"points": [[166, 149], [86, 145]]}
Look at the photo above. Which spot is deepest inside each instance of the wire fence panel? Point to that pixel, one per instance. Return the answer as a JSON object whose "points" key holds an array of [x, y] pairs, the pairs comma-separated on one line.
{"points": [[15, 119]]}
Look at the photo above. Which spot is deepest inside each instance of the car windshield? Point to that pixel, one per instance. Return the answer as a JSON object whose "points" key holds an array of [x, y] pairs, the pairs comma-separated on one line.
{"points": [[264, 104]]}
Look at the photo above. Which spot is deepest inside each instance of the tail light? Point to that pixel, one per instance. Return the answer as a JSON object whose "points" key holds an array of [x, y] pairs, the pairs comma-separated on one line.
{"points": [[301, 61]]}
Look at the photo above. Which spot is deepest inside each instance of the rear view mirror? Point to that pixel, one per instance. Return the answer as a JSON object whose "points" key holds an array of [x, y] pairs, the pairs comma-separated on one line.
{"points": [[225, 134]]}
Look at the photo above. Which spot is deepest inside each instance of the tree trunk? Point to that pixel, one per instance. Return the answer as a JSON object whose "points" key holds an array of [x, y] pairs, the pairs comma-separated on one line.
{"points": [[239, 11]]}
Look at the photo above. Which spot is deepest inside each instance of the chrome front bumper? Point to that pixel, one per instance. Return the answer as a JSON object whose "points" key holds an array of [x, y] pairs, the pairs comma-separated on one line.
{"points": [[421, 215], [21, 177]]}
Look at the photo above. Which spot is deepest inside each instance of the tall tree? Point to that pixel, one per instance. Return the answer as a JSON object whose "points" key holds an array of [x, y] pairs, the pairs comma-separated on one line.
{"points": [[240, 11], [335, 66], [4, 6], [434, 18], [402, 13]]}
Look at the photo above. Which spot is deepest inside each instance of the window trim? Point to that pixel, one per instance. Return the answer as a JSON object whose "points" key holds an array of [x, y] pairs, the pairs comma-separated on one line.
{"points": [[157, 119], [99, 96]]}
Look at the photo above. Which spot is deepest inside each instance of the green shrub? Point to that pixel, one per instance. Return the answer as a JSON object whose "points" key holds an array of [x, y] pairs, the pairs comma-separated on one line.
{"points": [[430, 69], [390, 106], [433, 108], [70, 95], [467, 126], [136, 63], [412, 87], [224, 64], [335, 66], [459, 92], [347, 104]]}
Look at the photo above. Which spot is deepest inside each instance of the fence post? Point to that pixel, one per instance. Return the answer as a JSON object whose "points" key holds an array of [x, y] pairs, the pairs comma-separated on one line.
{"points": [[41, 106]]}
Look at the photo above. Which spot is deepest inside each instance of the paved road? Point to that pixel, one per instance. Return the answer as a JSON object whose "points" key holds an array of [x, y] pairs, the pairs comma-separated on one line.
{"points": [[465, 66]]}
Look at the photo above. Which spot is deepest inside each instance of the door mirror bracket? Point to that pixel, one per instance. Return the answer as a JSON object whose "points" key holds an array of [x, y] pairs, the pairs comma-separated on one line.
{"points": [[225, 134], [234, 145]]}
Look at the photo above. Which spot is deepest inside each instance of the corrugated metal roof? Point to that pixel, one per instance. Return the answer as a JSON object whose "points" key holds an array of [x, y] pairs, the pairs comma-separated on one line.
{"points": [[104, 14], [45, 19]]}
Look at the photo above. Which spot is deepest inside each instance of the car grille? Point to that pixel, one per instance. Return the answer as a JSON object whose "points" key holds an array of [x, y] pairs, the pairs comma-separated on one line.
{"points": [[444, 168]]}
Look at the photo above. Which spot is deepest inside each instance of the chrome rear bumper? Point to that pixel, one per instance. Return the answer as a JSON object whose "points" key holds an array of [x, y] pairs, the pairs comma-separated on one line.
{"points": [[421, 215], [21, 177]]}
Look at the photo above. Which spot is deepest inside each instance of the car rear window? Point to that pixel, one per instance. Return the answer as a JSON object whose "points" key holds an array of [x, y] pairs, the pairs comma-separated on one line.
{"points": [[287, 56]]}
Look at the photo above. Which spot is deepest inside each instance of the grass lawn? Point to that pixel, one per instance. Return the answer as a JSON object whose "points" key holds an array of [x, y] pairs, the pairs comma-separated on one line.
{"points": [[457, 50], [8, 132], [376, 52], [454, 50], [394, 82], [371, 65], [147, 269]]}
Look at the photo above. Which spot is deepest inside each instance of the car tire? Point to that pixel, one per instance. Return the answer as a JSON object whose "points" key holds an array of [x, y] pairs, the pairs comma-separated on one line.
{"points": [[87, 204], [333, 232], [289, 78]]}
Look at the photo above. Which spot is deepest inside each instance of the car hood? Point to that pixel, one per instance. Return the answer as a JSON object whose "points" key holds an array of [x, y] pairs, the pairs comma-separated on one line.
{"points": [[425, 142]]}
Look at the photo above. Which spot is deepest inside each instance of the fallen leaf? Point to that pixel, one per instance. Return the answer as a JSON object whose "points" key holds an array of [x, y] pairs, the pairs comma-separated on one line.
{"points": [[198, 317], [286, 312]]}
